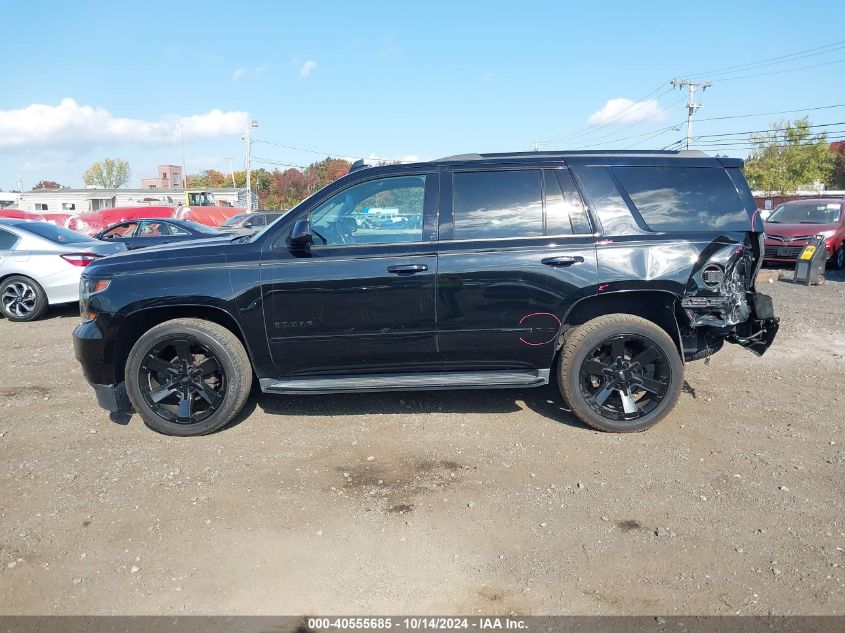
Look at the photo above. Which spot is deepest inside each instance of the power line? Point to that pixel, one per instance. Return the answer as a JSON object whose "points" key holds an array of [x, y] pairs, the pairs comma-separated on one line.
{"points": [[745, 116], [329, 154], [782, 129], [658, 133], [771, 60], [269, 161], [780, 72], [625, 138]]}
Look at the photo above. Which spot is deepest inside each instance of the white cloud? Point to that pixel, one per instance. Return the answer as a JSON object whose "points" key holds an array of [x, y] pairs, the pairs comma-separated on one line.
{"points": [[307, 68], [258, 70], [624, 110], [71, 125]]}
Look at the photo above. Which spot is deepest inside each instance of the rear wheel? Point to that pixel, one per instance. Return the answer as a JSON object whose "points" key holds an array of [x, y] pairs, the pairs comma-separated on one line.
{"points": [[188, 377], [620, 373], [22, 299]]}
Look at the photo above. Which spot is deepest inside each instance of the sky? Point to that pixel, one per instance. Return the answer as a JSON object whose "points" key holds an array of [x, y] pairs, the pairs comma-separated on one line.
{"points": [[82, 80]]}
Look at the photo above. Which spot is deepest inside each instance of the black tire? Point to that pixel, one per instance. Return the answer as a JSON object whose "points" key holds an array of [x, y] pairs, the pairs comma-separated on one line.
{"points": [[837, 260], [22, 299], [613, 391], [188, 366]]}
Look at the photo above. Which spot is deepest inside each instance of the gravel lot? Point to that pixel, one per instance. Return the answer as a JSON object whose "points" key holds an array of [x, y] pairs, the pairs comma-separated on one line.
{"points": [[461, 502]]}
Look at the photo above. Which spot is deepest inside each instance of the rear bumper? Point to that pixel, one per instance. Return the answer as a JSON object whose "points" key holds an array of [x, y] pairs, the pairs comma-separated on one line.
{"points": [[758, 332]]}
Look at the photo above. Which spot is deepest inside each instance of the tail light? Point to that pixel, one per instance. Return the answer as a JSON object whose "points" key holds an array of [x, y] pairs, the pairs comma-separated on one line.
{"points": [[79, 259]]}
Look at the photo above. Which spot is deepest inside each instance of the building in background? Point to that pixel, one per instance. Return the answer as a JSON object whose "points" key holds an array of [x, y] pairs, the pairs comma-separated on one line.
{"points": [[84, 200], [169, 177]]}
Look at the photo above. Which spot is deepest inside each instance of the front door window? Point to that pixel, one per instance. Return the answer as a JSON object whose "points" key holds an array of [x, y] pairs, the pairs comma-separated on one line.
{"points": [[383, 211]]}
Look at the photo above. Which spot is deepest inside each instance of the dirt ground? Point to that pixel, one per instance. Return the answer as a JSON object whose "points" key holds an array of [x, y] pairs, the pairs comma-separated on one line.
{"points": [[452, 502]]}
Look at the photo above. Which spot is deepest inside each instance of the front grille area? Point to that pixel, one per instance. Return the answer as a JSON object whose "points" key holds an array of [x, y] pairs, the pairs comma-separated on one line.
{"points": [[789, 252]]}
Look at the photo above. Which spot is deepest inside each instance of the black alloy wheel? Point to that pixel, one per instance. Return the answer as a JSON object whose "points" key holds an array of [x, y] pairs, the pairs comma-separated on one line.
{"points": [[620, 373], [182, 380], [625, 377], [188, 377]]}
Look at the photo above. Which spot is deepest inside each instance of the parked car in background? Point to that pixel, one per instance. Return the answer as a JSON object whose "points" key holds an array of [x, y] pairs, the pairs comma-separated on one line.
{"points": [[600, 272], [251, 222], [146, 232], [93, 222], [792, 223], [40, 264]]}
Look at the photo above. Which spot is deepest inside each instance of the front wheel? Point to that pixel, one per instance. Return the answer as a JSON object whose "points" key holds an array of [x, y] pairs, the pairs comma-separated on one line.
{"points": [[620, 373], [188, 377], [838, 260]]}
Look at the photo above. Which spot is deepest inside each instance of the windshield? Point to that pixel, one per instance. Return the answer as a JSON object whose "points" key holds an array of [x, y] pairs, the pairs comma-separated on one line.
{"points": [[270, 222], [200, 228], [57, 234], [806, 213], [235, 220]]}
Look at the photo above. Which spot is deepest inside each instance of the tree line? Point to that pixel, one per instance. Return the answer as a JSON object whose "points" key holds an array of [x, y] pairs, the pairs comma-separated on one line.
{"points": [[277, 188], [791, 156]]}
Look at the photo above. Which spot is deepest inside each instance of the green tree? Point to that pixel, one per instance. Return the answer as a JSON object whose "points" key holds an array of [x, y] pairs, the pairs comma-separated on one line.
{"points": [[110, 173], [789, 157]]}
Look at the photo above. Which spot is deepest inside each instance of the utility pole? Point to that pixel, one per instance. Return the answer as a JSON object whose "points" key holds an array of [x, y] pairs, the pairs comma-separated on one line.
{"points": [[231, 169], [184, 175], [248, 141], [692, 106]]}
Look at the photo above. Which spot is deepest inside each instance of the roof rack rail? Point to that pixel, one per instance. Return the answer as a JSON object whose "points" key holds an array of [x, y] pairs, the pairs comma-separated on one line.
{"points": [[565, 153]]}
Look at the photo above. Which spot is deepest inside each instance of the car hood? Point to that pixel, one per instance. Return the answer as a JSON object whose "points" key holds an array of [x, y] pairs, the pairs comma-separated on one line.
{"points": [[180, 254], [797, 230]]}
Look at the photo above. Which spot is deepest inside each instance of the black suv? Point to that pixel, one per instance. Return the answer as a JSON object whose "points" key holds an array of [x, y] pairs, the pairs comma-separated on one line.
{"points": [[600, 271]]}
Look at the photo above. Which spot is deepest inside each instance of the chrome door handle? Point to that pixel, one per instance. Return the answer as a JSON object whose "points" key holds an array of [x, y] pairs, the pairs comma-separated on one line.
{"points": [[563, 260], [407, 269]]}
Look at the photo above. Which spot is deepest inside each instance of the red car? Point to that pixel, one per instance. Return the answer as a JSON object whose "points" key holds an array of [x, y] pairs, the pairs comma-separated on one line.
{"points": [[790, 226]]}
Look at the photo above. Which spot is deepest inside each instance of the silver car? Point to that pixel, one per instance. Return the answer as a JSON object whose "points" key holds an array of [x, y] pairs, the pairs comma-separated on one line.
{"points": [[40, 265]]}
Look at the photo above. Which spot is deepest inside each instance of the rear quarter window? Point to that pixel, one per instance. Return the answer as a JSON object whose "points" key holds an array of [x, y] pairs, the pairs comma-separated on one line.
{"points": [[7, 240], [684, 198]]}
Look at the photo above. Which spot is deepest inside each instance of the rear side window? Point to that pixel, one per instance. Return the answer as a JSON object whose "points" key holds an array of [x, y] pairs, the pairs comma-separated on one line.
{"points": [[7, 240], [684, 198], [565, 213], [496, 204], [57, 234]]}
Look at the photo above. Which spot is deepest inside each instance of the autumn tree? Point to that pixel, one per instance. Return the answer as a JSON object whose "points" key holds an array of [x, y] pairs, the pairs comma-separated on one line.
{"points": [[277, 189], [110, 173], [209, 179], [47, 184], [789, 157]]}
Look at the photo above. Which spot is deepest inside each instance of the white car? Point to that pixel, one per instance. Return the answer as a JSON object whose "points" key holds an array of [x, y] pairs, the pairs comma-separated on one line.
{"points": [[40, 265]]}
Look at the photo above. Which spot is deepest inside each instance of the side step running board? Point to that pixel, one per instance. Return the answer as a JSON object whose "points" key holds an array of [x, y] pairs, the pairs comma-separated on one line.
{"points": [[407, 382]]}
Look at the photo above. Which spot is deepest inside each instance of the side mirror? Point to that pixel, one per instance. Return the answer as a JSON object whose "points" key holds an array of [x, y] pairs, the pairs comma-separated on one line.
{"points": [[300, 236]]}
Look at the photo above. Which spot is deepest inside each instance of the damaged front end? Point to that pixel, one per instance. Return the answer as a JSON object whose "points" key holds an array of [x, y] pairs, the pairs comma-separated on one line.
{"points": [[721, 303]]}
